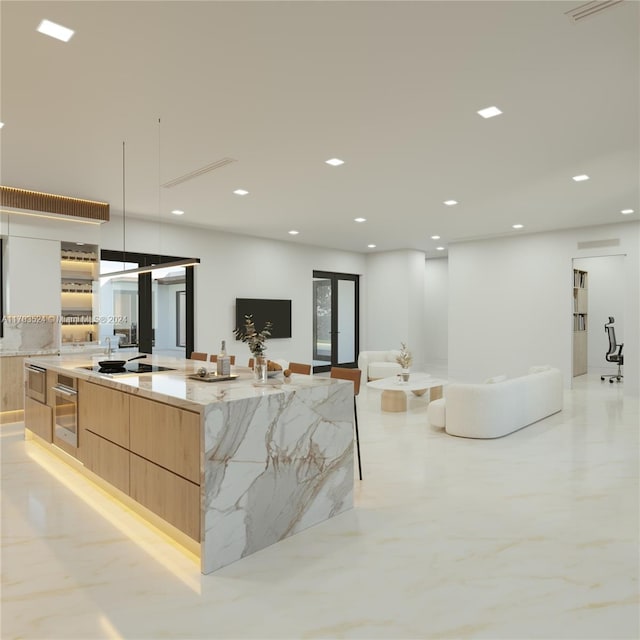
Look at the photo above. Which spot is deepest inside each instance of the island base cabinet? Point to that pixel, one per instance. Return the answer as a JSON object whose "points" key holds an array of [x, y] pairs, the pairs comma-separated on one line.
{"points": [[170, 496], [38, 418], [107, 460]]}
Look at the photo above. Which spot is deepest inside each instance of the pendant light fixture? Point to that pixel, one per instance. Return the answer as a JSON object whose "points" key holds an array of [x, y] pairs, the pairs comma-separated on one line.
{"points": [[185, 262]]}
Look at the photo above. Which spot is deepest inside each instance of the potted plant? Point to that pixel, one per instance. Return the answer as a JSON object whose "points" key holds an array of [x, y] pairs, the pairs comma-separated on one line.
{"points": [[404, 360], [257, 344]]}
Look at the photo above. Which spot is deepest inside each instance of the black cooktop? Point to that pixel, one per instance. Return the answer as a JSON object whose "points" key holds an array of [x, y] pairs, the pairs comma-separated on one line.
{"points": [[133, 367]]}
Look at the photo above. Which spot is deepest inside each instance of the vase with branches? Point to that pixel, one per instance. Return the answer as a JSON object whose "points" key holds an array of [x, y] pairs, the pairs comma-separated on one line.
{"points": [[404, 359]]}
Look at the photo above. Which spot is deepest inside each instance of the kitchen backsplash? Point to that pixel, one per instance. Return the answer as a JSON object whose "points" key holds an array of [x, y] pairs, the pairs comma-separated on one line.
{"points": [[30, 335]]}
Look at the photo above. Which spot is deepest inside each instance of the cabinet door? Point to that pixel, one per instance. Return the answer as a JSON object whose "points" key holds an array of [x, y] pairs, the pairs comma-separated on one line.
{"points": [[107, 460], [167, 436], [33, 291], [103, 411], [12, 376], [38, 418], [173, 498]]}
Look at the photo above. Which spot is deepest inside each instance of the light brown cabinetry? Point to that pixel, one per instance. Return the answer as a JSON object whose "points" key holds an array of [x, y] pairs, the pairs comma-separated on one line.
{"points": [[173, 498], [12, 376], [167, 436], [104, 411], [38, 418], [147, 449], [107, 460]]}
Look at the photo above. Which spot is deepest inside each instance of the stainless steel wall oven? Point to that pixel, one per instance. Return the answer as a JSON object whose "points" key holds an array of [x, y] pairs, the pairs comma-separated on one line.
{"points": [[66, 409]]}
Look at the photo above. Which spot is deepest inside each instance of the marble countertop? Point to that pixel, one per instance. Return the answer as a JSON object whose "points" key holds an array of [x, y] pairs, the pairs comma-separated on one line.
{"points": [[27, 352], [175, 387]]}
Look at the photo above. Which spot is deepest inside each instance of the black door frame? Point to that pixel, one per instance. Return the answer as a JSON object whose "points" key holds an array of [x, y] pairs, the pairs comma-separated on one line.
{"points": [[145, 313], [334, 277]]}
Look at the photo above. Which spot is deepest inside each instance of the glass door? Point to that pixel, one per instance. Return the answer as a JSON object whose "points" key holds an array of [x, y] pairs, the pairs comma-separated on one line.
{"points": [[168, 294], [335, 320], [151, 311]]}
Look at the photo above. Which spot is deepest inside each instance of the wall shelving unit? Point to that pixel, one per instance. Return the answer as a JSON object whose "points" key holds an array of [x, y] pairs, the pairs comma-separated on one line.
{"points": [[580, 322], [79, 292]]}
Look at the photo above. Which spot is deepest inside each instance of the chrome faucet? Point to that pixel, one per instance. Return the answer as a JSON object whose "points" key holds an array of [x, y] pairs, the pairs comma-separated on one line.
{"points": [[109, 349]]}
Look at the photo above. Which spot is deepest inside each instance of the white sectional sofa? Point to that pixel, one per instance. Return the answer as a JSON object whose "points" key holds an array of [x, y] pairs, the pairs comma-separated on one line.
{"points": [[498, 407], [379, 364]]}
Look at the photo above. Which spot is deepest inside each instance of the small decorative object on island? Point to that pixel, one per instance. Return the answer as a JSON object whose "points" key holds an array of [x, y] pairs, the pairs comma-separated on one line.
{"points": [[256, 341], [223, 362], [404, 360]]}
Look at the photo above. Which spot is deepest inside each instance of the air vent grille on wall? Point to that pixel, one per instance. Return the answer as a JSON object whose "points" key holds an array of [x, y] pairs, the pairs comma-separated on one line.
{"points": [[596, 244], [14, 198], [590, 8], [198, 172]]}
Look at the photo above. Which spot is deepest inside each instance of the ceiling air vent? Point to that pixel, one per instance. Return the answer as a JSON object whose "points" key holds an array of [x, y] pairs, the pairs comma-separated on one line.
{"points": [[596, 244], [588, 9], [198, 172]]}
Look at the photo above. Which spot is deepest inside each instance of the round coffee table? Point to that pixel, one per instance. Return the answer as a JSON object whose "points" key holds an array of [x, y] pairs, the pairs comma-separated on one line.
{"points": [[394, 391]]}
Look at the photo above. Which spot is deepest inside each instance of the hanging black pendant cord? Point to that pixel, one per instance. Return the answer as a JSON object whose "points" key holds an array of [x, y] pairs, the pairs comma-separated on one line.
{"points": [[124, 217]]}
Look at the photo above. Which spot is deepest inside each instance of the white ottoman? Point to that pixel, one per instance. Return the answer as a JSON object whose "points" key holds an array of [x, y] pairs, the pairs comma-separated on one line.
{"points": [[379, 370], [436, 413]]}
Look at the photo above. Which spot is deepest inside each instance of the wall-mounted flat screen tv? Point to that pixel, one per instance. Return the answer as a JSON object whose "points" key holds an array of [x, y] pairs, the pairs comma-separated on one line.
{"points": [[276, 311]]}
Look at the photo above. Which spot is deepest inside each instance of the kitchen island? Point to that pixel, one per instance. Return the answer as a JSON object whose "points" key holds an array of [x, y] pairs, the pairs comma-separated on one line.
{"points": [[234, 466]]}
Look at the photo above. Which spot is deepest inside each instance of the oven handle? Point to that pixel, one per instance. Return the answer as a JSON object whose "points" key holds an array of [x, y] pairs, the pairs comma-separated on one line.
{"points": [[63, 391], [35, 369]]}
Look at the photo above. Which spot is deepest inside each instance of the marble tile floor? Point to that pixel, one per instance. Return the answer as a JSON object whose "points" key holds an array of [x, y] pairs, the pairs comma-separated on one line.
{"points": [[535, 535]]}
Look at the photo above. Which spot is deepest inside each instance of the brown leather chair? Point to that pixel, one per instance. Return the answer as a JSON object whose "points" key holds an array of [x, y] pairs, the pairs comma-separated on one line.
{"points": [[354, 375], [297, 367], [214, 358], [198, 355]]}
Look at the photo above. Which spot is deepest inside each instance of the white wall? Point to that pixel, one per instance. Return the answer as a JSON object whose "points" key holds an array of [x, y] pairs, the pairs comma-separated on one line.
{"points": [[605, 297], [510, 301], [394, 303], [436, 296], [235, 266]]}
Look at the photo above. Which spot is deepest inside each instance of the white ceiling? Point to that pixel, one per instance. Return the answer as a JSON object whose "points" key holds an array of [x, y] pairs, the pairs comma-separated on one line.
{"points": [[392, 88]]}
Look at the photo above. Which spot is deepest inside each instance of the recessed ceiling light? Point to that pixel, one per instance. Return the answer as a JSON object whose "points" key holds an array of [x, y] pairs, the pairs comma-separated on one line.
{"points": [[371, 246], [293, 232], [517, 226], [581, 178], [439, 248], [626, 212], [435, 237], [335, 162], [450, 203], [56, 31], [489, 112], [359, 219], [178, 212], [241, 192]]}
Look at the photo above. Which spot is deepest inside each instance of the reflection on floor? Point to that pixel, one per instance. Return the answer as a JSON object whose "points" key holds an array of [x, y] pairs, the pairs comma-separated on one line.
{"points": [[534, 535]]}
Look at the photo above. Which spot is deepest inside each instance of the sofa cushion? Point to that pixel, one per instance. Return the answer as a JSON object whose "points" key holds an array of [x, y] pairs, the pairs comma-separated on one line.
{"points": [[436, 412], [494, 410], [383, 370]]}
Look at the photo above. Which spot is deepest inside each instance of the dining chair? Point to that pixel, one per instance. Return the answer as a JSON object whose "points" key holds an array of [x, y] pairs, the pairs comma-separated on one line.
{"points": [[297, 367], [198, 355], [214, 358], [354, 375]]}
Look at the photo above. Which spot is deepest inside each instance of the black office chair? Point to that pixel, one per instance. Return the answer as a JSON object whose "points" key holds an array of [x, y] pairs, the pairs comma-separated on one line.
{"points": [[615, 351]]}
